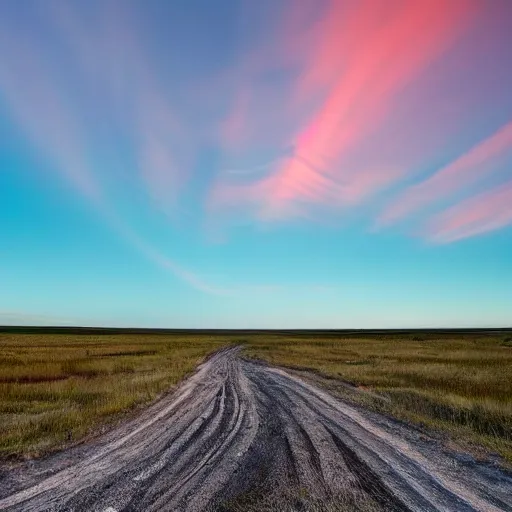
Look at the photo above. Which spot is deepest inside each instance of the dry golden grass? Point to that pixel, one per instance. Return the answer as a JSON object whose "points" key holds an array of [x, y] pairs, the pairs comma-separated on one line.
{"points": [[58, 388], [459, 384]]}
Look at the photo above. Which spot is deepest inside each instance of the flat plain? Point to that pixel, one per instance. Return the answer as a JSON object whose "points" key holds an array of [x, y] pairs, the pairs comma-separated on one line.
{"points": [[268, 421], [56, 389]]}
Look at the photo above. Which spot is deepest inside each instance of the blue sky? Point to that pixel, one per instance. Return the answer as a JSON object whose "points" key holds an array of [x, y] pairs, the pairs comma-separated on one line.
{"points": [[337, 164]]}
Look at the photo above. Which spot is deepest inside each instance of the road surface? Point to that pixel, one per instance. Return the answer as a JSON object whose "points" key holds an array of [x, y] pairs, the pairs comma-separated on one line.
{"points": [[239, 428]]}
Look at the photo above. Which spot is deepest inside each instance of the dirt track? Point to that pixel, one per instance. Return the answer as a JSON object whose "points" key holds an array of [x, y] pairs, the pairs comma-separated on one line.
{"points": [[240, 428]]}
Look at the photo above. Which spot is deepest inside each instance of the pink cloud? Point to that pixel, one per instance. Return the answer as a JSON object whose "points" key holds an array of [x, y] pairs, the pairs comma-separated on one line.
{"points": [[384, 58], [483, 213], [361, 60], [465, 170], [332, 48]]}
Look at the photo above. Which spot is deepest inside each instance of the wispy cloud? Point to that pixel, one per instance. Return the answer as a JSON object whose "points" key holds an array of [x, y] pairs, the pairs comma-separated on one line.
{"points": [[43, 111], [41, 102], [119, 77], [464, 171], [58, 128], [362, 57], [298, 121], [480, 214], [164, 262]]}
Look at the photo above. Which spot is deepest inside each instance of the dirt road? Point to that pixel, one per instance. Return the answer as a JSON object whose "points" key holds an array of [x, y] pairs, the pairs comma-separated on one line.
{"points": [[240, 430]]}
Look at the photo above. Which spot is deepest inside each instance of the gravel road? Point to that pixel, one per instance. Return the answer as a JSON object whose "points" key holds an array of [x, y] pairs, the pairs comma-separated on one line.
{"points": [[238, 429]]}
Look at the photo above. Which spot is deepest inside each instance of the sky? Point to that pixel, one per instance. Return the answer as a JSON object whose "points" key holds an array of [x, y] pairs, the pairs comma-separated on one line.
{"points": [[269, 164]]}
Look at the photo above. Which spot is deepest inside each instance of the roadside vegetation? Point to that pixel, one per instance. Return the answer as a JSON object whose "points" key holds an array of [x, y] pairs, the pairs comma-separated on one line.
{"points": [[56, 389], [459, 384]]}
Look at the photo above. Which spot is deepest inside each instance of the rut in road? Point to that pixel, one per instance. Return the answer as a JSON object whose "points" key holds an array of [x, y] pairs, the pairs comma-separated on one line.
{"points": [[241, 430]]}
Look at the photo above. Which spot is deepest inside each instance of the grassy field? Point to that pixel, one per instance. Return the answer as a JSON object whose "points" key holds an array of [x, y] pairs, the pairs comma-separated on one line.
{"points": [[58, 388], [459, 384]]}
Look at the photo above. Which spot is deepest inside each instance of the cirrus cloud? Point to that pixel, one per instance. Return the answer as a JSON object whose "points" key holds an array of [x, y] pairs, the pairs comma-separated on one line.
{"points": [[485, 212]]}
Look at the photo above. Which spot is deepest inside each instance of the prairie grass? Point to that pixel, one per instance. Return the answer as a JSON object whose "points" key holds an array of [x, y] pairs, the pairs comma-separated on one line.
{"points": [[58, 388], [459, 384]]}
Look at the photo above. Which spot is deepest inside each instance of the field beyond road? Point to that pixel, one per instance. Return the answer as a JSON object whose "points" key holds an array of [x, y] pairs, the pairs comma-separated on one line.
{"points": [[56, 389]]}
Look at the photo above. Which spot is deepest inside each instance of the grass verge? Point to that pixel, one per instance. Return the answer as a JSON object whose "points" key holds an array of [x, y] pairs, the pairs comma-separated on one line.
{"points": [[458, 384], [56, 389]]}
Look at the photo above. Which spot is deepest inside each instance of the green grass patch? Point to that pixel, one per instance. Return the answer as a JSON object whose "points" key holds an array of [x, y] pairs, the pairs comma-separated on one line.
{"points": [[59, 388]]}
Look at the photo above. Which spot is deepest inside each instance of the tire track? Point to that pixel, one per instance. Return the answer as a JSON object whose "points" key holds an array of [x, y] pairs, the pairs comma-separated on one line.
{"points": [[239, 432]]}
